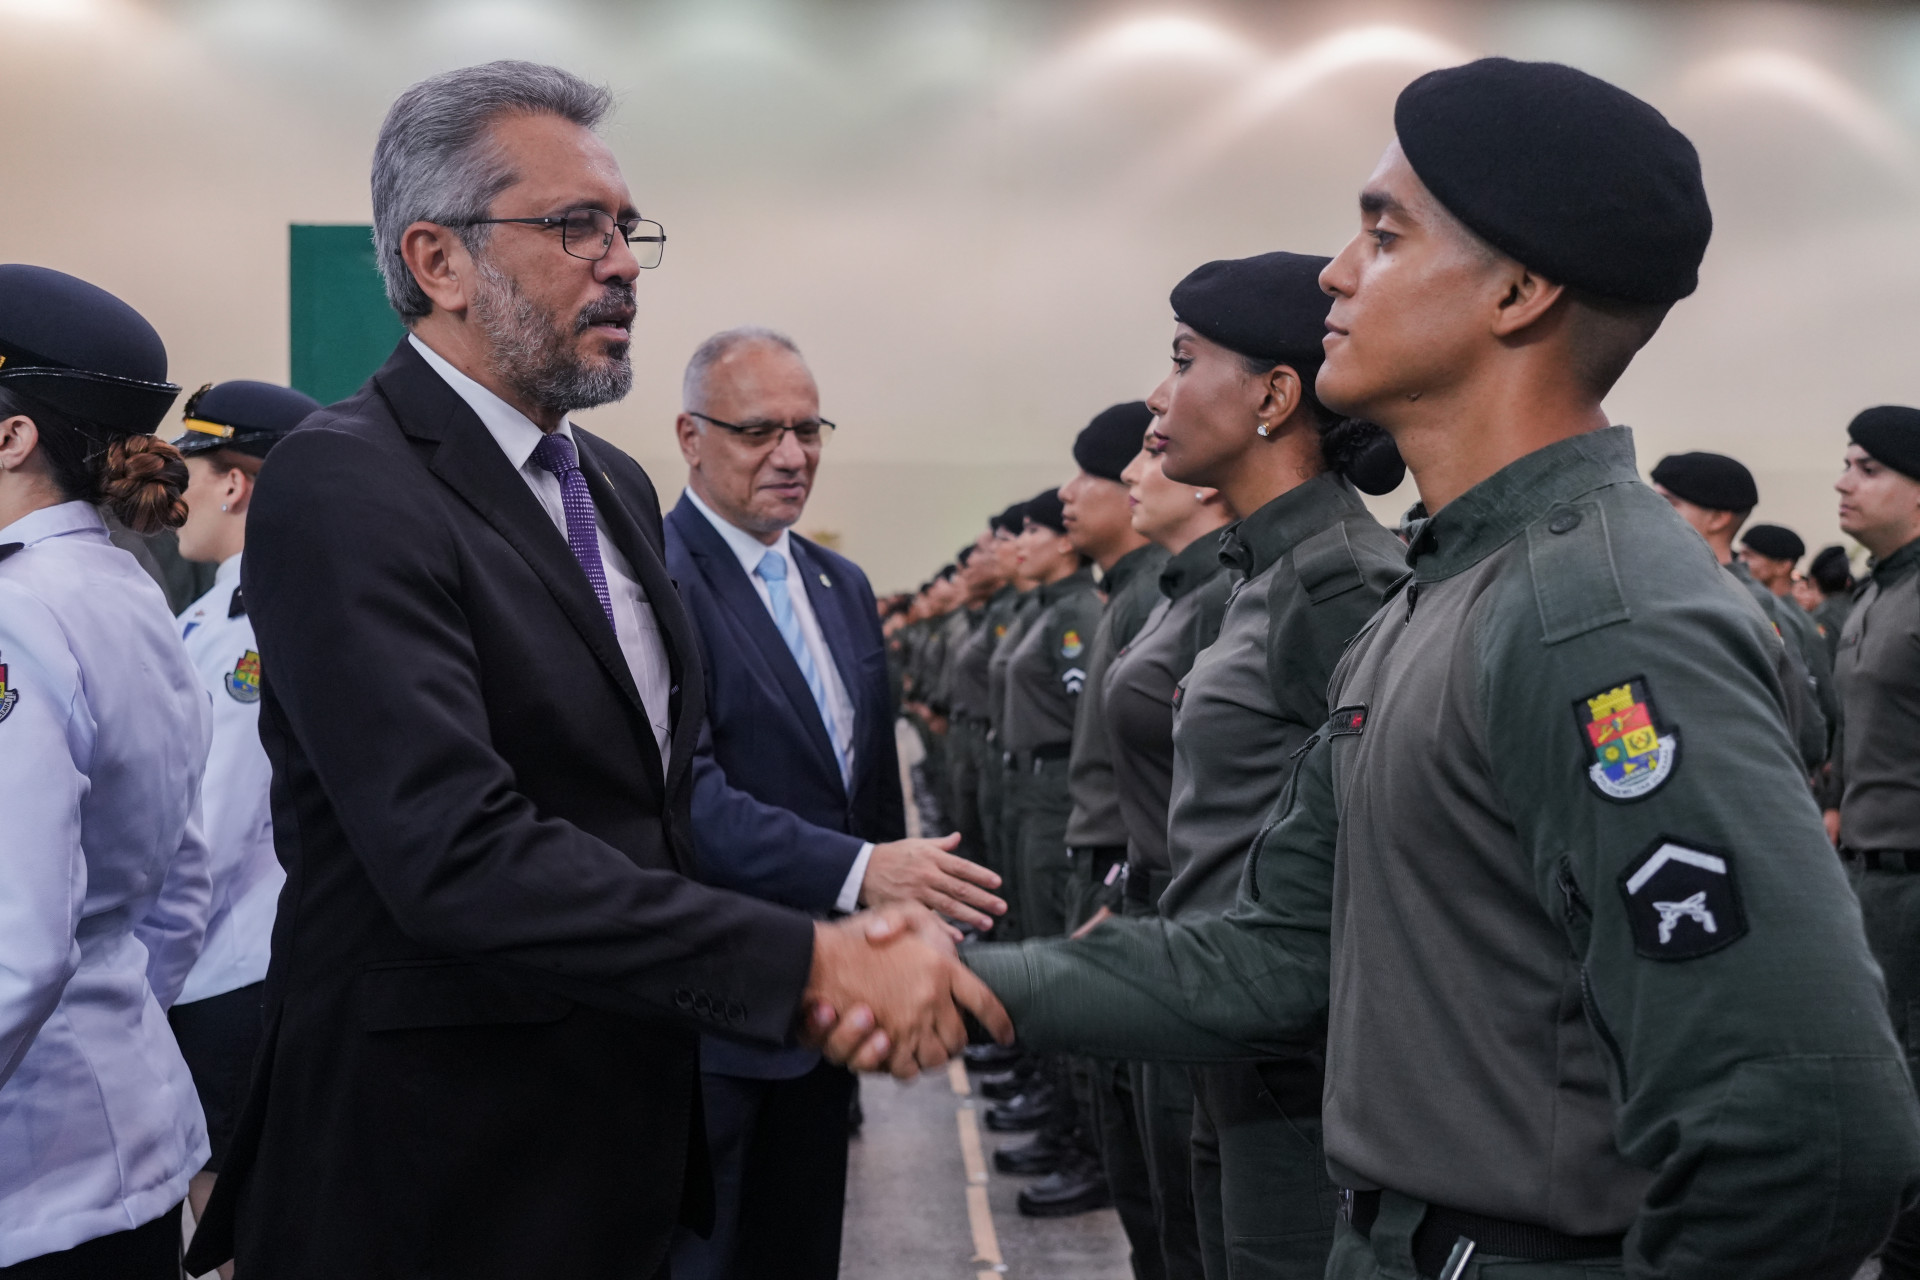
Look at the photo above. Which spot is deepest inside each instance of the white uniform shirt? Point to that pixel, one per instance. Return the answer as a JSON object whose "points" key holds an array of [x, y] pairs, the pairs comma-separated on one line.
{"points": [[749, 550], [633, 622], [235, 815], [104, 888]]}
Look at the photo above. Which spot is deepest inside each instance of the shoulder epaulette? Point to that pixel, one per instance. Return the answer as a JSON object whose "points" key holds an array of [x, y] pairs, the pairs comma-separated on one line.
{"points": [[1576, 584], [1326, 565]]}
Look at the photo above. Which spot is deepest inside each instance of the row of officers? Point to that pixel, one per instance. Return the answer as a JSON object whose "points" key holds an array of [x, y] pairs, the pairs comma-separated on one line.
{"points": [[1113, 680]]}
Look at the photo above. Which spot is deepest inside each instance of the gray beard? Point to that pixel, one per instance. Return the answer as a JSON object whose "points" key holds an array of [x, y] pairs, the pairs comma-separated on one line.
{"points": [[536, 356]]}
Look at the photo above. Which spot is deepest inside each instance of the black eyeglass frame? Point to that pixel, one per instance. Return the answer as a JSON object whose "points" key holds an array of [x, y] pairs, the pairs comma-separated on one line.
{"points": [[823, 430], [625, 227]]}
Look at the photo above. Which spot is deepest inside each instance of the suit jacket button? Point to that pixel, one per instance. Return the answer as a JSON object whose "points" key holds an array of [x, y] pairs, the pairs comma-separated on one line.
{"points": [[683, 998]]}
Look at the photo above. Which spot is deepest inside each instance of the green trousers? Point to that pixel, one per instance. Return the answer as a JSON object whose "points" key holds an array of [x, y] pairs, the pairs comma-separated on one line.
{"points": [[1890, 909], [992, 802], [1163, 1111], [1262, 1199], [966, 749], [1037, 810], [1386, 1253]]}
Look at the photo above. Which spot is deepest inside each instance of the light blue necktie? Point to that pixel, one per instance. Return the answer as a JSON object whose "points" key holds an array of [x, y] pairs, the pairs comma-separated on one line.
{"points": [[772, 570]]}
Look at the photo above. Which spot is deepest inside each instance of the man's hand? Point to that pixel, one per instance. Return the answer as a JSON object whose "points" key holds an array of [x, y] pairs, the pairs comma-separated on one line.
{"points": [[1830, 818], [929, 873], [887, 992]]}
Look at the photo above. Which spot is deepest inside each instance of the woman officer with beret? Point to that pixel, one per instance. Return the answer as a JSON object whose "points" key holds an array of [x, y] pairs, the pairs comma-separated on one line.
{"points": [[217, 1020], [103, 736], [1238, 414]]}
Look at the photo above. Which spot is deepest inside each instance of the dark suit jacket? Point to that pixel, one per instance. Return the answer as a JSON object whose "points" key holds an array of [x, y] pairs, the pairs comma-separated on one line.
{"points": [[772, 816], [489, 967]]}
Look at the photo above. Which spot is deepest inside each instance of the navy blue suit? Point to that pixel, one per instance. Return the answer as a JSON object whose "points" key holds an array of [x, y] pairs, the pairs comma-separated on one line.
{"points": [[773, 818]]}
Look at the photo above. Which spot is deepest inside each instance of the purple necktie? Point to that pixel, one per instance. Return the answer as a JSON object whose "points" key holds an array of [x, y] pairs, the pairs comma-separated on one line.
{"points": [[555, 453]]}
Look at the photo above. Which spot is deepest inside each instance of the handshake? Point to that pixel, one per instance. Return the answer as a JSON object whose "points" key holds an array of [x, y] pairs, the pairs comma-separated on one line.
{"points": [[886, 992]]}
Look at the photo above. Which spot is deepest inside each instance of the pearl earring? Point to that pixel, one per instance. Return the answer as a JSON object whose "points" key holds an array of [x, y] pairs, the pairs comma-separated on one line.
{"points": [[1262, 430], [1199, 495], [223, 506]]}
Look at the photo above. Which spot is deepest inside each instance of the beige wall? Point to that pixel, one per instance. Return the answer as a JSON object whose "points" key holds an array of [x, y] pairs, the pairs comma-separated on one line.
{"points": [[969, 212]]}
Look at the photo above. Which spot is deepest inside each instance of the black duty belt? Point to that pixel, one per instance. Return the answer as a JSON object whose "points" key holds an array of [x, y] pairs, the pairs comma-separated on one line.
{"points": [[1442, 1228], [1104, 858], [1030, 761], [1883, 859]]}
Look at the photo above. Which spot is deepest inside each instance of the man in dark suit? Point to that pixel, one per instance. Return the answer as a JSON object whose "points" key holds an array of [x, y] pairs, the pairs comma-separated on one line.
{"points": [[797, 780], [481, 702]]}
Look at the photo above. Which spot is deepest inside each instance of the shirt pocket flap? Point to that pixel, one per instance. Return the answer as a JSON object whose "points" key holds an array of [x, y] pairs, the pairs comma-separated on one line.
{"points": [[453, 993]]}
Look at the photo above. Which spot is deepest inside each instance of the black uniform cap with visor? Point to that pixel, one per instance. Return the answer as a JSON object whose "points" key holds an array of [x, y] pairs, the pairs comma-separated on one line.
{"points": [[81, 352], [246, 417]]}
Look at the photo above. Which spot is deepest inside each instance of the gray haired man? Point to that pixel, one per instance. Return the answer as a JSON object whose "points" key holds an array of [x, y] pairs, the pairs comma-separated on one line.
{"points": [[482, 699]]}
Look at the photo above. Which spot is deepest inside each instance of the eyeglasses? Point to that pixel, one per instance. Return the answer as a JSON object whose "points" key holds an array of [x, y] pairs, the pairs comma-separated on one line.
{"points": [[811, 434], [588, 234]]}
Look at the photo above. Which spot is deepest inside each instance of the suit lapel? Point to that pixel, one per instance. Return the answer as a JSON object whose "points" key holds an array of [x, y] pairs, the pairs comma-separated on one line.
{"points": [[468, 460], [736, 594], [829, 597], [687, 705]]}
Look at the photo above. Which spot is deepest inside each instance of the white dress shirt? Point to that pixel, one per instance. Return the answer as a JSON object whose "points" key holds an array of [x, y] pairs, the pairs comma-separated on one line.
{"points": [[633, 622], [104, 888], [749, 550], [235, 814]]}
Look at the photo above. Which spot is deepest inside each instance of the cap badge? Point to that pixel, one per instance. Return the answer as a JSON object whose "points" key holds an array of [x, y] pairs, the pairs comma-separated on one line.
{"points": [[243, 682], [1633, 752]]}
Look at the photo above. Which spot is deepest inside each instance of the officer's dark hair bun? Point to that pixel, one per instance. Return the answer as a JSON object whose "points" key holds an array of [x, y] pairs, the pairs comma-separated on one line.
{"points": [[1364, 453], [141, 479]]}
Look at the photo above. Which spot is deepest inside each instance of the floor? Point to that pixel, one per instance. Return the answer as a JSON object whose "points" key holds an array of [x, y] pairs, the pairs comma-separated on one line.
{"points": [[923, 1199]]}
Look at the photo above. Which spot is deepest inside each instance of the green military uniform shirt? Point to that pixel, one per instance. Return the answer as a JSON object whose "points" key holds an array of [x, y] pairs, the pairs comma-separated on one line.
{"points": [[1025, 605], [1132, 588], [1831, 617], [1878, 764], [1811, 718], [971, 695], [1047, 668], [1593, 963], [1313, 565], [1137, 701]]}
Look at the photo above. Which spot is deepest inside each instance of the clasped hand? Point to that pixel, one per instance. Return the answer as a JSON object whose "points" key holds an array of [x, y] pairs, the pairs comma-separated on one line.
{"points": [[886, 991]]}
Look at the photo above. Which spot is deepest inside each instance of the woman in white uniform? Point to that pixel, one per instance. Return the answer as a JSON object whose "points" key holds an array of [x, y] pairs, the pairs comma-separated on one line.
{"points": [[103, 736], [229, 429]]}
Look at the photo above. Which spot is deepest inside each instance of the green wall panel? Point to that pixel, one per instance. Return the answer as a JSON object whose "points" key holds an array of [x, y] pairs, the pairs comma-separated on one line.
{"points": [[342, 328]]}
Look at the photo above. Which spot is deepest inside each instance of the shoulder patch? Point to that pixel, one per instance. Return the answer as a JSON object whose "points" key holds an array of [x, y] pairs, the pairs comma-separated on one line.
{"points": [[1576, 584], [1348, 721], [1682, 901], [1073, 679], [243, 682], [1071, 646], [1633, 752], [9, 696], [1326, 564]]}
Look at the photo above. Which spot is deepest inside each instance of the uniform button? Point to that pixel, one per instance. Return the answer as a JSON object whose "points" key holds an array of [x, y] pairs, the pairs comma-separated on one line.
{"points": [[1565, 522], [702, 1005], [683, 998], [736, 1012]]}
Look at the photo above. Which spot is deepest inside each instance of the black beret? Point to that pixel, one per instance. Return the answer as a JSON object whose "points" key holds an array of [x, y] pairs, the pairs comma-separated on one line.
{"points": [[1831, 569], [81, 351], [1709, 480], [247, 417], [1775, 542], [1891, 433], [1269, 306], [1574, 177], [1012, 520], [1046, 508], [1106, 445]]}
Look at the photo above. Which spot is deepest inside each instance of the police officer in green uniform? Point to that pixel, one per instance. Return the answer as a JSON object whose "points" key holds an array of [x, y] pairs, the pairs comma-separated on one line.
{"points": [[1771, 552], [1832, 574], [1877, 763], [1714, 494], [1136, 698], [966, 683], [1597, 999], [1045, 673], [1108, 1162], [1238, 413]]}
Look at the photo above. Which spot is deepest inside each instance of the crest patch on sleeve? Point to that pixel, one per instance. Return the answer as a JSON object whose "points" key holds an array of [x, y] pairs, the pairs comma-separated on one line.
{"points": [[1632, 751], [243, 682], [1071, 645], [1682, 901], [8, 695]]}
